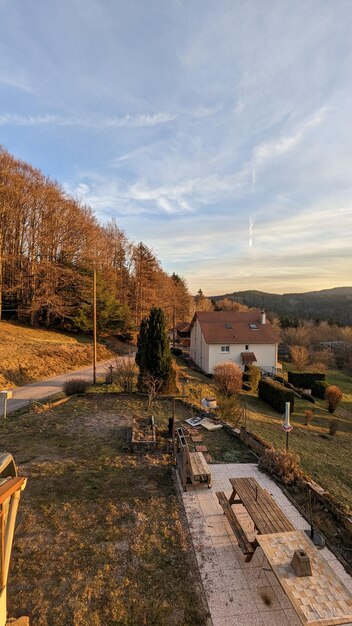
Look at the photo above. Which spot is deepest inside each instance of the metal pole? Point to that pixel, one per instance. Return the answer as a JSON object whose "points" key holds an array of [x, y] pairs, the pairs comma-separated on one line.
{"points": [[174, 327], [94, 326], [287, 441]]}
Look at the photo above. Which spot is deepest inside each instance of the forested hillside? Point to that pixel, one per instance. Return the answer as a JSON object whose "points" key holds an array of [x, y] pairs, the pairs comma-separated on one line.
{"points": [[49, 245], [333, 305]]}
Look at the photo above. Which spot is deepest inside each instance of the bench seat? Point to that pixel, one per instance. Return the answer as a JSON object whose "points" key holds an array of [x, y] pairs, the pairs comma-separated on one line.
{"points": [[246, 546]]}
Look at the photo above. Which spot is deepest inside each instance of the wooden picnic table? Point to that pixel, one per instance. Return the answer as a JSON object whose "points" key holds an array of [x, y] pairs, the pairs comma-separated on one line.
{"points": [[320, 599], [266, 515], [260, 505]]}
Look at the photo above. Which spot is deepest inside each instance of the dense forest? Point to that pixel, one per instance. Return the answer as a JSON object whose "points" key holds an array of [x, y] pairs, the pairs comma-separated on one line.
{"points": [[50, 243], [331, 305]]}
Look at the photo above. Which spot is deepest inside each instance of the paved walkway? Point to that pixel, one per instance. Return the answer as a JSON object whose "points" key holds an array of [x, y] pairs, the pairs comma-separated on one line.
{"points": [[236, 595], [23, 396]]}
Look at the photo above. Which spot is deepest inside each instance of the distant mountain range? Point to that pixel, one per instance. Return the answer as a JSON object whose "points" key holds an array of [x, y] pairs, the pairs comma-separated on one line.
{"points": [[333, 305]]}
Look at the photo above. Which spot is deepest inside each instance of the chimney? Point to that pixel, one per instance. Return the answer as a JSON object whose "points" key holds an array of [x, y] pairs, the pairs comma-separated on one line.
{"points": [[263, 318]]}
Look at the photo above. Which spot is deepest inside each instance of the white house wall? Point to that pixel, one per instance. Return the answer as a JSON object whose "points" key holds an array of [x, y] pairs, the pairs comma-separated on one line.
{"points": [[266, 355], [199, 349]]}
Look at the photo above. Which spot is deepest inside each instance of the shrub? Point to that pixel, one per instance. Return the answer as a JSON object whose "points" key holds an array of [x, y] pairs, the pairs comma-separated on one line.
{"points": [[254, 377], [300, 357], [333, 396], [309, 417], [75, 385], [275, 395], [319, 388], [333, 427], [228, 378], [123, 374], [229, 409], [246, 387], [284, 465], [304, 380]]}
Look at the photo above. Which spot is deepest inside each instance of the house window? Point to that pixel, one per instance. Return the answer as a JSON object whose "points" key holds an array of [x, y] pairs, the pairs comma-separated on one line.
{"points": [[228, 326], [253, 326], [246, 347], [225, 348]]}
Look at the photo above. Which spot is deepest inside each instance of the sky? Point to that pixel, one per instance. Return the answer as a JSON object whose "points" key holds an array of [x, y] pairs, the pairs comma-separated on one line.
{"points": [[218, 132]]}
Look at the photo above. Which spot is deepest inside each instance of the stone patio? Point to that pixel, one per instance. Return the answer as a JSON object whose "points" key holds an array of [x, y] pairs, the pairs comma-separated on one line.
{"points": [[236, 595]]}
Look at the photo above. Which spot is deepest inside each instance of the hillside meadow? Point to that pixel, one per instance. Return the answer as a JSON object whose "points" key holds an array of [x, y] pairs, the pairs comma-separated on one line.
{"points": [[29, 354]]}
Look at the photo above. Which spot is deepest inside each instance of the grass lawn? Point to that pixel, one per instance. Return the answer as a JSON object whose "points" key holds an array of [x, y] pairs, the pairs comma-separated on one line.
{"points": [[102, 539], [325, 458]]}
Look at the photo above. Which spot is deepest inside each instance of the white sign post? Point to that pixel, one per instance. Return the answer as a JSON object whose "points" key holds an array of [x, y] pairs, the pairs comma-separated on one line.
{"points": [[286, 424]]}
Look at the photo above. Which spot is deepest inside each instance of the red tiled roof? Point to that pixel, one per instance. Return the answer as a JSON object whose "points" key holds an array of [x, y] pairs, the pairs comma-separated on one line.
{"points": [[234, 327]]}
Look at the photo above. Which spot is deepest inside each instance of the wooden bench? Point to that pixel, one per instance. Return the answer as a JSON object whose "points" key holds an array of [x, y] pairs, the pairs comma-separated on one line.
{"points": [[192, 466], [199, 471], [246, 546]]}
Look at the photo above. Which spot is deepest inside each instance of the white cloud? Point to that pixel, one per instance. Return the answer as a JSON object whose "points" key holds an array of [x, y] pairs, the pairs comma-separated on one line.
{"points": [[102, 122]]}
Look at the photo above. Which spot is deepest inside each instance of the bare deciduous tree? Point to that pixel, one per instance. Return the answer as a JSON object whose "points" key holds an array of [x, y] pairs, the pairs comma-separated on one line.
{"points": [[152, 384]]}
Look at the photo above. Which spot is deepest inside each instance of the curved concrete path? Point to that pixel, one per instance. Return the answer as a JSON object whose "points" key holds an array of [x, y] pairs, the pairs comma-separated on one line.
{"points": [[23, 396]]}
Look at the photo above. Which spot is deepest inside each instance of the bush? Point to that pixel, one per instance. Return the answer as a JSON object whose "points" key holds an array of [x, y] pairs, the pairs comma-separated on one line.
{"points": [[228, 378], [246, 387], [230, 409], [275, 395], [75, 385], [300, 357], [254, 377], [284, 465], [319, 388], [333, 427], [123, 374], [304, 380], [333, 396]]}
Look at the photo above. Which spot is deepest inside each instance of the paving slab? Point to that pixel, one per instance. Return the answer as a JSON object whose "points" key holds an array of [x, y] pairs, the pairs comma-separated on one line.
{"points": [[237, 595]]}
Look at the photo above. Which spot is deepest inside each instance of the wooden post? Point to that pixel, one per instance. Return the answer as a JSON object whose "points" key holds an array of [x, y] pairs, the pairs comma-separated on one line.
{"points": [[94, 326]]}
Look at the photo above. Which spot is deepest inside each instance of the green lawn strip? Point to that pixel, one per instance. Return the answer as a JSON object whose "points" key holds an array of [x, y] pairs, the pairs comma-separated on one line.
{"points": [[102, 540], [325, 458]]}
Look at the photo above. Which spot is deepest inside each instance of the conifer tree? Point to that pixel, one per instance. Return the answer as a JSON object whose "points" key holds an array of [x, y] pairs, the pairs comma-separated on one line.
{"points": [[153, 354]]}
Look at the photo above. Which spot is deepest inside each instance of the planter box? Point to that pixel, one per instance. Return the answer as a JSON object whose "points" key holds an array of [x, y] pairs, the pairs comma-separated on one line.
{"points": [[143, 435]]}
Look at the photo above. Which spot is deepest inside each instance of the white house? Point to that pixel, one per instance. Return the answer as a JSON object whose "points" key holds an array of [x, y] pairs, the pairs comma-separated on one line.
{"points": [[241, 337]]}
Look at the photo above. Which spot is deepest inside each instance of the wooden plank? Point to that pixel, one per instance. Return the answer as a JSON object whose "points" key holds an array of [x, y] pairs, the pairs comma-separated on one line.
{"points": [[261, 506], [264, 506], [199, 464], [245, 545], [11, 485]]}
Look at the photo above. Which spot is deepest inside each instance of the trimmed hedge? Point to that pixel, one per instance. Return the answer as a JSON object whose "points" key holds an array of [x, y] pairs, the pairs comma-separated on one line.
{"points": [[275, 395], [304, 380], [319, 388]]}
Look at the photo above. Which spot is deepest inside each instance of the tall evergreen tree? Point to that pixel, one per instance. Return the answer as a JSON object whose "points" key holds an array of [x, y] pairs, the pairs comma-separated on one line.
{"points": [[153, 353]]}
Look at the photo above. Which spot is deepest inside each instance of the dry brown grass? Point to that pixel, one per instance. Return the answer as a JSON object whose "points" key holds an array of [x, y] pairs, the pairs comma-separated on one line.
{"points": [[102, 540], [28, 354]]}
